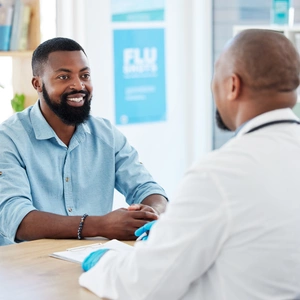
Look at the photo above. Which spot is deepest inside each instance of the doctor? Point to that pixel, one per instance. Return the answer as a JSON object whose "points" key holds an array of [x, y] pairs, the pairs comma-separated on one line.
{"points": [[232, 231]]}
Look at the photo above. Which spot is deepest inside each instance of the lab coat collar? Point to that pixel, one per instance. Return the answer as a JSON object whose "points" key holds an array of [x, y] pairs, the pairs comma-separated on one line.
{"points": [[274, 115]]}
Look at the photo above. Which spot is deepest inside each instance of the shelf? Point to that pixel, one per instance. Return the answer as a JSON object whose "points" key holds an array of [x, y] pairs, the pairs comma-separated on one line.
{"points": [[16, 53], [21, 60]]}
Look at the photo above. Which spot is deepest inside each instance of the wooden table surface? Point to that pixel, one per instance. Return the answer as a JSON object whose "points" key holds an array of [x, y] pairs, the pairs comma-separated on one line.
{"points": [[27, 271]]}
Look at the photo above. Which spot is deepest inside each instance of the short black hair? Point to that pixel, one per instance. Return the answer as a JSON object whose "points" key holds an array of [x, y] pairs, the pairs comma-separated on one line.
{"points": [[41, 53]]}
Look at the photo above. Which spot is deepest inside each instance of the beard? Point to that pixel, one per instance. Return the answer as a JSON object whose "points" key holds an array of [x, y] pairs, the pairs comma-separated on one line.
{"points": [[220, 122], [68, 114]]}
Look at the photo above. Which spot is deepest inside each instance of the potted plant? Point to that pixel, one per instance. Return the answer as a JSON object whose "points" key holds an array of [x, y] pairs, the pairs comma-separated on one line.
{"points": [[18, 102]]}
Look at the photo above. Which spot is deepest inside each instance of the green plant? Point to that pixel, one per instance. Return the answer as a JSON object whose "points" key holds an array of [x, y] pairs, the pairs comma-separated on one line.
{"points": [[18, 102]]}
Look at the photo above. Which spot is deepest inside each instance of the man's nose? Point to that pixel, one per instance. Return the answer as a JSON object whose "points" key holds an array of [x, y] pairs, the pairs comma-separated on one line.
{"points": [[77, 84]]}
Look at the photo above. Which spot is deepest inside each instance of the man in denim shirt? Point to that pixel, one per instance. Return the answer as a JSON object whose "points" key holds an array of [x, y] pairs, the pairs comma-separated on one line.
{"points": [[59, 165]]}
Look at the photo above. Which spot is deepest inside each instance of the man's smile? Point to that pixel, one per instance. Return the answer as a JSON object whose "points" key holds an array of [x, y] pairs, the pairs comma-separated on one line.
{"points": [[76, 99]]}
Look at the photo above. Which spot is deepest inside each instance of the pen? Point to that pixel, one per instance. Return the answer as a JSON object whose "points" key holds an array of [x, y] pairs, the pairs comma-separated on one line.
{"points": [[143, 235]]}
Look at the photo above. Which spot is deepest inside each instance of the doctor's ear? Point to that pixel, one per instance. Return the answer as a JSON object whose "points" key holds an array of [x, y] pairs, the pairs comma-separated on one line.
{"points": [[234, 88], [37, 83]]}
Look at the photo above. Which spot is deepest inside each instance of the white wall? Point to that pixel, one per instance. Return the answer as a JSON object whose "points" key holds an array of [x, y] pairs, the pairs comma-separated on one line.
{"points": [[168, 148]]}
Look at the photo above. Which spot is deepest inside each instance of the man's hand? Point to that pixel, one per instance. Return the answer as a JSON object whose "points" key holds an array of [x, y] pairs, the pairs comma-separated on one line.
{"points": [[119, 224], [142, 207], [157, 202]]}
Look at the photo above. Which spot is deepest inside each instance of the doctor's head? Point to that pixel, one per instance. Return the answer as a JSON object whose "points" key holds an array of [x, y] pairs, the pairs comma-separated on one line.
{"points": [[258, 71]]}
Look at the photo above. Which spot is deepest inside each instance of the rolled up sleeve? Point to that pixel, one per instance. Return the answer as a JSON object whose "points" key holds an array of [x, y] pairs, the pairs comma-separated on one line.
{"points": [[15, 199]]}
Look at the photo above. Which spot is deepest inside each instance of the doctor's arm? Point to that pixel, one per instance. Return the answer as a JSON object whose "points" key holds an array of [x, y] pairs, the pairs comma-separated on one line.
{"points": [[186, 240]]}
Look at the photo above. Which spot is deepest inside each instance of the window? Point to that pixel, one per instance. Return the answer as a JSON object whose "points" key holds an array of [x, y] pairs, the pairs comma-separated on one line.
{"points": [[227, 14]]}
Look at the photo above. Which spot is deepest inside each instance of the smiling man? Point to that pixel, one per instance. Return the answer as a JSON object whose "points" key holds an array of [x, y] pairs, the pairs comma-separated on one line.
{"points": [[59, 165]]}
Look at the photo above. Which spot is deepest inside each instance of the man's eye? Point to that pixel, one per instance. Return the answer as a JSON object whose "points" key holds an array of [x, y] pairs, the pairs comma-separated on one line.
{"points": [[63, 77], [86, 76]]}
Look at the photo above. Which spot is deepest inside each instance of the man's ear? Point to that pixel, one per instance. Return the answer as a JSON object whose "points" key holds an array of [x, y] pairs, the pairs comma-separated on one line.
{"points": [[234, 89], [37, 83]]}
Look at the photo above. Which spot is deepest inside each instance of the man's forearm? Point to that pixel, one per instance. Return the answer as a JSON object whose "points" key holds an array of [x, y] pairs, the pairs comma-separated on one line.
{"points": [[38, 225], [156, 201], [120, 224]]}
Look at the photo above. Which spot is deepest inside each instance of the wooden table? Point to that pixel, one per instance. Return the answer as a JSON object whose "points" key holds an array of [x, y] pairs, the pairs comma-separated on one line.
{"points": [[27, 271]]}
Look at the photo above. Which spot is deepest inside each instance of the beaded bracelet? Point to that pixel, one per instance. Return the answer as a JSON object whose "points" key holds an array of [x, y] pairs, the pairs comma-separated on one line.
{"points": [[81, 226]]}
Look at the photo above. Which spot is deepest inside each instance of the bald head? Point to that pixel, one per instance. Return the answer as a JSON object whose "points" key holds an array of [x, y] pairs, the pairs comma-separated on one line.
{"points": [[265, 60], [257, 72]]}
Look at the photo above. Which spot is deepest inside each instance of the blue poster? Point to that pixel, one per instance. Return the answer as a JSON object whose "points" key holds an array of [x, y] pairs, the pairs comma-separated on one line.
{"points": [[139, 57], [137, 10]]}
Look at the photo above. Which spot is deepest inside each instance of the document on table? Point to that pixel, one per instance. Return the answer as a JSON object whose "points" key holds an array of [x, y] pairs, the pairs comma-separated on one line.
{"points": [[78, 254]]}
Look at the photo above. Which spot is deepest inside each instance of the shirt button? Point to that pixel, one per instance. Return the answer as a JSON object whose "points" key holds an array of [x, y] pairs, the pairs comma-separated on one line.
{"points": [[69, 209], [67, 179]]}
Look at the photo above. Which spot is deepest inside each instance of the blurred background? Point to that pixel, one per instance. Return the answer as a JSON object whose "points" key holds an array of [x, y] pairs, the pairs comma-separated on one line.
{"points": [[152, 64]]}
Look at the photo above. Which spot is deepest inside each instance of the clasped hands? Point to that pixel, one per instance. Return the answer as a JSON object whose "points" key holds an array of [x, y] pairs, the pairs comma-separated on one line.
{"points": [[95, 256]]}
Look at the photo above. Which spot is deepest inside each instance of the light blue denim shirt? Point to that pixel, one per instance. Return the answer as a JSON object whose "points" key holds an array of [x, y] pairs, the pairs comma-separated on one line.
{"points": [[39, 172]]}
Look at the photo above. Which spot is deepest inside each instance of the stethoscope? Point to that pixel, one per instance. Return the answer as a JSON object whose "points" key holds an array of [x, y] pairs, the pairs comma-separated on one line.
{"points": [[272, 123]]}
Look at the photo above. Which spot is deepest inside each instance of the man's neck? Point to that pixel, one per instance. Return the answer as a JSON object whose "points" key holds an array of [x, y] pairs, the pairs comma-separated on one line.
{"points": [[62, 130]]}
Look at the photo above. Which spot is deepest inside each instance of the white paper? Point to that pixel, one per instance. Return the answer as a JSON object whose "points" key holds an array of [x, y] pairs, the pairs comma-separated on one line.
{"points": [[78, 254]]}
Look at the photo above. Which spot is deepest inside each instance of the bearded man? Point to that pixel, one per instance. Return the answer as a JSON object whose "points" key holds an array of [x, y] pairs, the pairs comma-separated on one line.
{"points": [[59, 165]]}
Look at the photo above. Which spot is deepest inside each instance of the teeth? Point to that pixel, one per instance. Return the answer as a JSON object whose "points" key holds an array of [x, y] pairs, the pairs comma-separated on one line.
{"points": [[76, 99]]}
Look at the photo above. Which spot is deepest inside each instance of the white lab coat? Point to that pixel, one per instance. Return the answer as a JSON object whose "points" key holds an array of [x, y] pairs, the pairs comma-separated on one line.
{"points": [[231, 233]]}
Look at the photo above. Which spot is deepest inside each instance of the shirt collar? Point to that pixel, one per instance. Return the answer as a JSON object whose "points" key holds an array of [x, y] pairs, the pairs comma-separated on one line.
{"points": [[43, 130], [274, 115]]}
